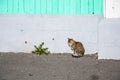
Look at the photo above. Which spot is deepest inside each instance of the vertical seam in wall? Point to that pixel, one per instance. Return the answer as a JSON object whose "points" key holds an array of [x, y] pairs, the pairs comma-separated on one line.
{"points": [[88, 6], [18, 7], [98, 34], [104, 8], [12, 5], [7, 6], [52, 6], [80, 6], [34, 6], [58, 7], [63, 8], [45, 7], [98, 37], [23, 6], [40, 7], [93, 7]]}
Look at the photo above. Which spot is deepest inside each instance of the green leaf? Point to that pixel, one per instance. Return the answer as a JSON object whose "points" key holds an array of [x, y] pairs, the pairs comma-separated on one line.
{"points": [[40, 50]]}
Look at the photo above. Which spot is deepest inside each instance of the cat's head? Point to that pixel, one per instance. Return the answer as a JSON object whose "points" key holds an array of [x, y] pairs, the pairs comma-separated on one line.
{"points": [[70, 41]]}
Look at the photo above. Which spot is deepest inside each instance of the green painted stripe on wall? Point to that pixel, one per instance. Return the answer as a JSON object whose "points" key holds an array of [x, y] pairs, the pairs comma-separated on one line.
{"points": [[51, 6], [21, 6], [61, 7], [3, 6], [91, 7], [84, 6]]}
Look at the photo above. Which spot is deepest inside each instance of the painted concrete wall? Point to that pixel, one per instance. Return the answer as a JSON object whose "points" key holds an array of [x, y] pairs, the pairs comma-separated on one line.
{"points": [[52, 29], [95, 32], [109, 39], [51, 6], [112, 8]]}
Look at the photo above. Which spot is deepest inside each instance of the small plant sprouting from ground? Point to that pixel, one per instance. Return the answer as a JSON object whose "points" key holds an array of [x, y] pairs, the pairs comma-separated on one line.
{"points": [[40, 50]]}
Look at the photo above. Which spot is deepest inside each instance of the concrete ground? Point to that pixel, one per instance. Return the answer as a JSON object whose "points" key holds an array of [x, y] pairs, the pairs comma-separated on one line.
{"points": [[22, 66]]}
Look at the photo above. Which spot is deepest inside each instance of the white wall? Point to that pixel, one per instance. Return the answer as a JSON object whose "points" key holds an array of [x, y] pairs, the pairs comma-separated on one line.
{"points": [[109, 39], [112, 9], [109, 30], [96, 33], [16, 29]]}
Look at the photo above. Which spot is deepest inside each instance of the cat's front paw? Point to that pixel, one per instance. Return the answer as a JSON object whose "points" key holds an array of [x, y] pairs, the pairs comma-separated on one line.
{"points": [[75, 55]]}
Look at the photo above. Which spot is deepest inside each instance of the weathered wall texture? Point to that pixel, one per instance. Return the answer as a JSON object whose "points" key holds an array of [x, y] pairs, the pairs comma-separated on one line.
{"points": [[109, 38], [53, 30], [96, 33]]}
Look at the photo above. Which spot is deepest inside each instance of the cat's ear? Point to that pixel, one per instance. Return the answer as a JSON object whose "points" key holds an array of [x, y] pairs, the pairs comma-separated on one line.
{"points": [[68, 38]]}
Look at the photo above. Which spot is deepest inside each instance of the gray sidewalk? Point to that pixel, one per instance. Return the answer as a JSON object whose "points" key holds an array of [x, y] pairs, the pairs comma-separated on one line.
{"points": [[23, 66]]}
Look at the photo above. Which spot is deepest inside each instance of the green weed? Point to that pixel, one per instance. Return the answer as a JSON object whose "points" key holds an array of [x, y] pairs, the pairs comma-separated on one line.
{"points": [[40, 50]]}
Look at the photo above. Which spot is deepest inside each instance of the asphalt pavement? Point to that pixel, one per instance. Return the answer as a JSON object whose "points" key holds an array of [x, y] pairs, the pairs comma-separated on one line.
{"points": [[27, 66]]}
